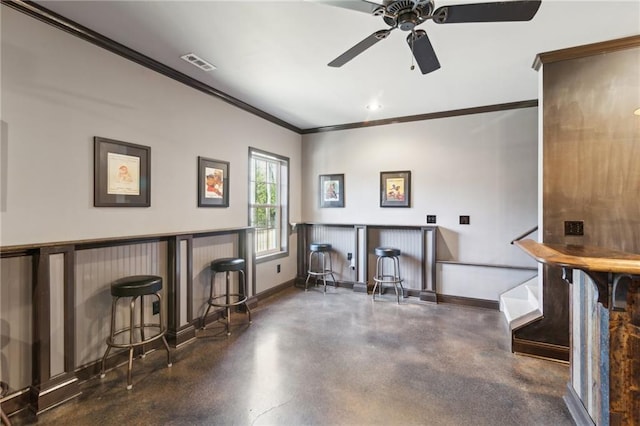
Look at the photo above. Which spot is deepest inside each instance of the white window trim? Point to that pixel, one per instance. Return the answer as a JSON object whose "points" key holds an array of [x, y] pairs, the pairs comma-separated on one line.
{"points": [[282, 206]]}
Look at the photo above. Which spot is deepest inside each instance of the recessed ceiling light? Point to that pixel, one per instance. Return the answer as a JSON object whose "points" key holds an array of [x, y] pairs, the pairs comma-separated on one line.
{"points": [[374, 106], [198, 62]]}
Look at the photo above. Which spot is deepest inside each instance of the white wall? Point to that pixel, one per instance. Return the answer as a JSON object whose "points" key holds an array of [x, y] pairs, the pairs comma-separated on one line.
{"points": [[58, 92], [482, 165]]}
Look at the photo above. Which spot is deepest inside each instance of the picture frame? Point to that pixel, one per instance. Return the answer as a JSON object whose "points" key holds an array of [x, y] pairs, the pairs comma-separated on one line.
{"points": [[213, 182], [331, 191], [121, 174], [395, 189]]}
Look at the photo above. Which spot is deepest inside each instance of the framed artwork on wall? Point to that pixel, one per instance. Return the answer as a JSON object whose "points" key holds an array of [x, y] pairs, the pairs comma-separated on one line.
{"points": [[395, 189], [331, 191], [121, 174], [213, 183]]}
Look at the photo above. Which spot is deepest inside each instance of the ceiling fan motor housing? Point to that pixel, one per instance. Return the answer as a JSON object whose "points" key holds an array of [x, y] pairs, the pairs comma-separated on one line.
{"points": [[407, 14]]}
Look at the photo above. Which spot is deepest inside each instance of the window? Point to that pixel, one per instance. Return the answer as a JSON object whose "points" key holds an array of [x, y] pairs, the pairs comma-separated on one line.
{"points": [[269, 201]]}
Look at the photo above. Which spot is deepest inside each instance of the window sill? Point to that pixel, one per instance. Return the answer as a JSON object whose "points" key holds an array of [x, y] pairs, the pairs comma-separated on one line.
{"points": [[271, 256]]}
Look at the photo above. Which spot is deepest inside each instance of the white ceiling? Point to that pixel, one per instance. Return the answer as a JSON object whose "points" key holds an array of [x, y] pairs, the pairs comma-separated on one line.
{"points": [[273, 55]]}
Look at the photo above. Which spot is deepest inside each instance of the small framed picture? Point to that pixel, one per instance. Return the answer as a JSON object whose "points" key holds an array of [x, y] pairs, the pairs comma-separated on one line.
{"points": [[121, 174], [395, 189], [331, 191], [213, 183]]}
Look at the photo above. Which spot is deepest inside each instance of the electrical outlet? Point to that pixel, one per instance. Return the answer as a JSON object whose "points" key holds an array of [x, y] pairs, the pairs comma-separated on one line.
{"points": [[155, 306], [573, 227], [431, 218], [465, 220], [278, 268], [349, 256]]}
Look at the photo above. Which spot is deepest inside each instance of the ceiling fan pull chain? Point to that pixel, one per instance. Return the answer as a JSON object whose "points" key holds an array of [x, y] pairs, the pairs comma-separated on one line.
{"points": [[413, 40]]}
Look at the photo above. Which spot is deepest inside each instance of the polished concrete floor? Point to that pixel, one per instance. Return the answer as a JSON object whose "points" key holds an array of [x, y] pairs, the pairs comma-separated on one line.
{"points": [[334, 359]]}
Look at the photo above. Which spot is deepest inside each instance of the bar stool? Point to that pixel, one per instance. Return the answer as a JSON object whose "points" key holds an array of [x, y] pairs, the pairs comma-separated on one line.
{"points": [[135, 287], [380, 278], [227, 265], [319, 252], [4, 388]]}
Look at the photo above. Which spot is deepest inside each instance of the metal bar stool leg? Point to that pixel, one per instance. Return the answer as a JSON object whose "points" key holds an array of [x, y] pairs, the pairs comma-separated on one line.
{"points": [[5, 418], [335, 283], [398, 277], [112, 329], [131, 330], [143, 354], [203, 320], [162, 329], [245, 294], [324, 269], [228, 301], [306, 282]]}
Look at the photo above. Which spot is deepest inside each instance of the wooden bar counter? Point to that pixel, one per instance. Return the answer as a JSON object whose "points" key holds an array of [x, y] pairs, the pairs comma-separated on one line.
{"points": [[605, 330]]}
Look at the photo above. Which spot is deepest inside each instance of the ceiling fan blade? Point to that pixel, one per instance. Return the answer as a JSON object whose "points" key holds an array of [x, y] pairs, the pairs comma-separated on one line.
{"points": [[358, 5], [359, 48], [423, 52], [504, 11]]}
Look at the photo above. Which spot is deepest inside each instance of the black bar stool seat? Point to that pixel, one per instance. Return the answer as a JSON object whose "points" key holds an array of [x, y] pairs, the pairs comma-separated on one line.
{"points": [[319, 252], [380, 278], [228, 299], [135, 287]]}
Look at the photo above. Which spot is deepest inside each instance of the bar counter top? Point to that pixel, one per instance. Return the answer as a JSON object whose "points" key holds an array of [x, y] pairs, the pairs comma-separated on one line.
{"points": [[589, 258]]}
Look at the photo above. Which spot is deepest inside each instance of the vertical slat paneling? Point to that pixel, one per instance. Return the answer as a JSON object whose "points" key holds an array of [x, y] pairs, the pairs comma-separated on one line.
{"points": [[16, 276], [342, 241], [590, 348], [576, 333], [409, 241], [205, 250], [56, 294], [95, 270]]}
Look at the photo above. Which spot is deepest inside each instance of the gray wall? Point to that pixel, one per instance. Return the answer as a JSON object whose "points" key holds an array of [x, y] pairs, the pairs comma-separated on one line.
{"points": [[482, 165], [58, 92]]}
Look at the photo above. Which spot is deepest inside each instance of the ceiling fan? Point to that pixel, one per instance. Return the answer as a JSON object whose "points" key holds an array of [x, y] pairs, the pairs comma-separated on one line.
{"points": [[408, 14]]}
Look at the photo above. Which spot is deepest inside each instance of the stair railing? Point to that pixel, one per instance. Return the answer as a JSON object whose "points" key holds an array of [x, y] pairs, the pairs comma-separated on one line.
{"points": [[526, 234]]}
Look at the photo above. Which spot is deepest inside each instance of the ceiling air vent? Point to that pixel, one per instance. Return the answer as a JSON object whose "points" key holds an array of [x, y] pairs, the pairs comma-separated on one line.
{"points": [[198, 62]]}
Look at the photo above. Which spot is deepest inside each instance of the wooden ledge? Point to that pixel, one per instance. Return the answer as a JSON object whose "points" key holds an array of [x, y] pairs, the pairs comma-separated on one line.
{"points": [[588, 258]]}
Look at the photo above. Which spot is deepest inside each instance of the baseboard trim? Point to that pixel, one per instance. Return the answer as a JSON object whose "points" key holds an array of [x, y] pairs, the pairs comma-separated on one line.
{"points": [[360, 287], [54, 392], [468, 301], [576, 408], [182, 336], [276, 289], [16, 402], [540, 349]]}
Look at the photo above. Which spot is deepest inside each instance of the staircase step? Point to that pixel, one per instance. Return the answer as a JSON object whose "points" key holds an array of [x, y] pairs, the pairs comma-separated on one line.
{"points": [[520, 304]]}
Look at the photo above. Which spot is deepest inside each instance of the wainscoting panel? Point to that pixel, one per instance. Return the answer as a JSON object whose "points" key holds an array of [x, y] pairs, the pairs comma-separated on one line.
{"points": [[16, 277], [342, 240], [95, 270], [409, 241], [205, 250]]}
